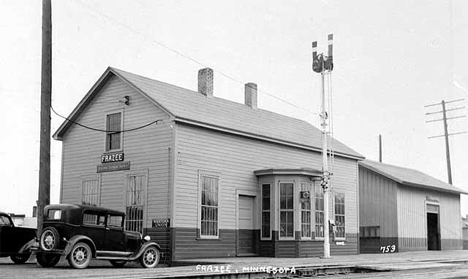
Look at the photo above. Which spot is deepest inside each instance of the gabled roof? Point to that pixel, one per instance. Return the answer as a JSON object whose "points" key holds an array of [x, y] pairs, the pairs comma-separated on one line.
{"points": [[409, 177], [215, 113]]}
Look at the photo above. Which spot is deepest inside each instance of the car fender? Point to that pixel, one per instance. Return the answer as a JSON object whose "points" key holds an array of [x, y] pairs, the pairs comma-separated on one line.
{"points": [[146, 245], [76, 239], [30, 244]]}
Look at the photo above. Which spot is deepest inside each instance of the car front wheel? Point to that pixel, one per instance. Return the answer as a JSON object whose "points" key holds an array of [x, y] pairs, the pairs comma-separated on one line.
{"points": [[47, 260], [80, 255], [20, 258], [150, 257]]}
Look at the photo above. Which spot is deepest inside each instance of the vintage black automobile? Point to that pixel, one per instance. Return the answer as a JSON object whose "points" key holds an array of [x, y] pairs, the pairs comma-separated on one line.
{"points": [[81, 232], [15, 242]]}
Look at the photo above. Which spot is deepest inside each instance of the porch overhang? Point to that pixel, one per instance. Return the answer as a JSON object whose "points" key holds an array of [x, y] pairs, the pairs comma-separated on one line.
{"points": [[312, 173]]}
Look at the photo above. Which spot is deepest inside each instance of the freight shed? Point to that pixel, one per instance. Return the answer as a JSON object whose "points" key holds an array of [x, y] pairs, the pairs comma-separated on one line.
{"points": [[402, 209]]}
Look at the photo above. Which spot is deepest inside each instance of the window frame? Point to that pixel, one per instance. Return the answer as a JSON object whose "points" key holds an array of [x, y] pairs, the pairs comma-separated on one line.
{"points": [[319, 197], [217, 176], [307, 186], [342, 215], [144, 204], [96, 178], [265, 211], [280, 210], [121, 111]]}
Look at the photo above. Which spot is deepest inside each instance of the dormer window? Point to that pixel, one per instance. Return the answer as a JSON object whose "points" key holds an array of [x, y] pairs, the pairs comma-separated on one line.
{"points": [[114, 131]]}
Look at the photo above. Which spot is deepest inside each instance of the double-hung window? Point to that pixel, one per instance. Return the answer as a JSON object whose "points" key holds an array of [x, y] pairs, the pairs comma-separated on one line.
{"points": [[266, 213], [319, 214], [90, 191], [340, 215], [209, 209], [114, 131], [306, 227], [286, 190]]}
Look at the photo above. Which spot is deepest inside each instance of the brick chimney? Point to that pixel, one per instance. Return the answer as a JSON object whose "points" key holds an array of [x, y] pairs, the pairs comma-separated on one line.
{"points": [[251, 95], [205, 82]]}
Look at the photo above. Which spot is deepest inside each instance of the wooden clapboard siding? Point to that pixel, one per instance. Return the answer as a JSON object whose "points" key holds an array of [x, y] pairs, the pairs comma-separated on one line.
{"points": [[378, 202], [188, 246], [412, 218], [235, 158], [146, 150]]}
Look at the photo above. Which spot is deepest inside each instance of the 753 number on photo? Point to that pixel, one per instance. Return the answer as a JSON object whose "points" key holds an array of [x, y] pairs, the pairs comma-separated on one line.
{"points": [[388, 249]]}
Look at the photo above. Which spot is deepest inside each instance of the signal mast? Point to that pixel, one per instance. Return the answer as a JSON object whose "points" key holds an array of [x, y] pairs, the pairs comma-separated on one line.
{"points": [[324, 65]]}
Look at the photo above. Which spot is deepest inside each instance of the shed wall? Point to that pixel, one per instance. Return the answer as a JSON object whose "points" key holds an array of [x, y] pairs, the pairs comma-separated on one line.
{"points": [[412, 218]]}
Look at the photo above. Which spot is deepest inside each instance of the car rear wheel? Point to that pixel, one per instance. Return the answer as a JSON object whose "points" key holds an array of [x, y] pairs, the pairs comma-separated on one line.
{"points": [[150, 257], [80, 255], [20, 258], [118, 263], [49, 239], [47, 260]]}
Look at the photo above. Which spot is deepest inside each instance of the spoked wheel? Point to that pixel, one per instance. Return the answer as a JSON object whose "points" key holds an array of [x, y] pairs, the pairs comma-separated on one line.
{"points": [[80, 255], [118, 263], [47, 260], [150, 257], [49, 239], [20, 258]]}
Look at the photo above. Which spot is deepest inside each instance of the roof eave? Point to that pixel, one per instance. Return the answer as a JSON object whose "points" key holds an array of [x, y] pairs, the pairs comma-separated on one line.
{"points": [[452, 191], [260, 137]]}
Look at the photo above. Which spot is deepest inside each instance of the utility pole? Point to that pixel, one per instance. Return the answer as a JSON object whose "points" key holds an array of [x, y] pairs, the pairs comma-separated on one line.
{"points": [[446, 133], [324, 65], [46, 96]]}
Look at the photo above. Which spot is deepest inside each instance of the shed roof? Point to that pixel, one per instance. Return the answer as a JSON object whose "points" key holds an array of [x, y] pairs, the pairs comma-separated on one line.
{"points": [[216, 113], [410, 177]]}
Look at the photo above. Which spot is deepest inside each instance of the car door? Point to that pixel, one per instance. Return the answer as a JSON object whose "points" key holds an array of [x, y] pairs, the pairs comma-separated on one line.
{"points": [[114, 239], [94, 228], [6, 235]]}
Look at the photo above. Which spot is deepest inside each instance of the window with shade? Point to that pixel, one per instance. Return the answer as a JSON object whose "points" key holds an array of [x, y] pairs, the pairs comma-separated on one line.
{"points": [[114, 131], [286, 210], [266, 213]]}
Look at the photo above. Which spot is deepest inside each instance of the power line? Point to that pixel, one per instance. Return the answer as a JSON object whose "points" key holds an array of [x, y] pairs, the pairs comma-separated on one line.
{"points": [[89, 7], [106, 131], [446, 133]]}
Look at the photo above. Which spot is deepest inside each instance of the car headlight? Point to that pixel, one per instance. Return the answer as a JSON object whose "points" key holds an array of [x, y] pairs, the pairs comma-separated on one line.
{"points": [[147, 238]]}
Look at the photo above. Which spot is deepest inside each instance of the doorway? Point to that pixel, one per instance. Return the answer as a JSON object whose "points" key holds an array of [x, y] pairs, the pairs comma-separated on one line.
{"points": [[433, 235], [245, 235]]}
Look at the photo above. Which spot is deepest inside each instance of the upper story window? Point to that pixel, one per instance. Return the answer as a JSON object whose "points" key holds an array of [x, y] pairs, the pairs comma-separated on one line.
{"points": [[266, 213], [114, 134], [286, 210]]}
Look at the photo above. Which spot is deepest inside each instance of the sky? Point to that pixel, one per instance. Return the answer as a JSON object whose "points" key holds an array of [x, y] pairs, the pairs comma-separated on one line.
{"points": [[391, 58]]}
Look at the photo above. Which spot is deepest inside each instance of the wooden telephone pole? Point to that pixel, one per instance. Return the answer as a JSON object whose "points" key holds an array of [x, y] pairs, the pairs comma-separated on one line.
{"points": [[446, 133], [46, 97]]}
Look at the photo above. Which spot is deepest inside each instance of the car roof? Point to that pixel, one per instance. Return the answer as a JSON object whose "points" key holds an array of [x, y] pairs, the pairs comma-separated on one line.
{"points": [[84, 208]]}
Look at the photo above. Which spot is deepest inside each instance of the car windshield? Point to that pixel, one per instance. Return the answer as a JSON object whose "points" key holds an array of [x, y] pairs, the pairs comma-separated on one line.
{"points": [[4, 221], [114, 221]]}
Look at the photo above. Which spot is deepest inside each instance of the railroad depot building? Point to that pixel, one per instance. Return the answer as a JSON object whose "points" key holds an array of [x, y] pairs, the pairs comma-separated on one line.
{"points": [[204, 176], [406, 210]]}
